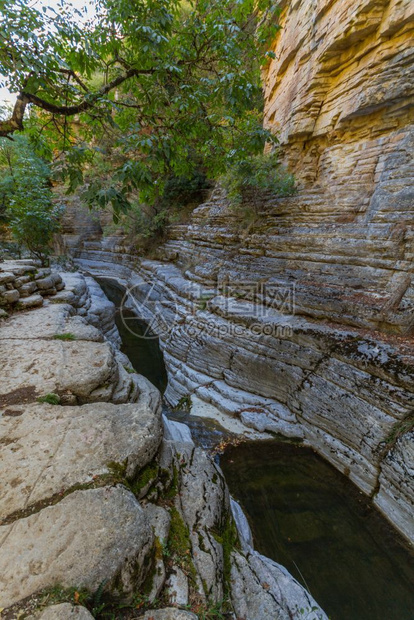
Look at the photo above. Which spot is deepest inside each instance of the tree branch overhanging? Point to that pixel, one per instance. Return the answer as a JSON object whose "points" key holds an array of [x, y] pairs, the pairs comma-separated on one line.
{"points": [[15, 123]]}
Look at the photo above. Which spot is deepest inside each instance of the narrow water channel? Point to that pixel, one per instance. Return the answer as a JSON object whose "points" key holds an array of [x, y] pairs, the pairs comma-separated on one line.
{"points": [[304, 514], [144, 353]]}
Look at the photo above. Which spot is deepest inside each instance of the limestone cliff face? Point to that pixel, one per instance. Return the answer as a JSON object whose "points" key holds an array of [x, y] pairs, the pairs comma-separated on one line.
{"points": [[340, 94], [340, 371]]}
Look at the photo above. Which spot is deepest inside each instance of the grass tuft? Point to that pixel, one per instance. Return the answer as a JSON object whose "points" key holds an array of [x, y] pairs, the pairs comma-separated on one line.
{"points": [[51, 399], [66, 336]]}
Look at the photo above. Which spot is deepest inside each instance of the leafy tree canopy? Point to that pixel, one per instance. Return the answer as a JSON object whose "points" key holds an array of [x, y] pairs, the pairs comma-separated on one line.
{"points": [[163, 87], [25, 192]]}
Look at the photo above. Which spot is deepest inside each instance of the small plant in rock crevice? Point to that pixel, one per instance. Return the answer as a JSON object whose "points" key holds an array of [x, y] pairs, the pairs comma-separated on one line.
{"points": [[51, 399], [66, 336], [184, 404], [406, 425]]}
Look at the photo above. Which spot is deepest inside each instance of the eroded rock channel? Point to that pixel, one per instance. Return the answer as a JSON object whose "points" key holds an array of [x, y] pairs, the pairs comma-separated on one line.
{"points": [[106, 507], [304, 514]]}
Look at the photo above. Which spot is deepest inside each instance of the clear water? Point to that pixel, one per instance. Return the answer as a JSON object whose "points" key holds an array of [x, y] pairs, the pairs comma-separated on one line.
{"points": [[304, 514], [309, 517]]}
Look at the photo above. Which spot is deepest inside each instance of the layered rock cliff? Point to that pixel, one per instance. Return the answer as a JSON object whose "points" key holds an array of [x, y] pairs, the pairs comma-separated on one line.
{"points": [[301, 321]]}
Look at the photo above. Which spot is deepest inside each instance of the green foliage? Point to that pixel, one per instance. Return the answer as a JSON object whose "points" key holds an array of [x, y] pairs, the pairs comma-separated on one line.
{"points": [[33, 42], [184, 404], [147, 475], [26, 195], [145, 224], [173, 488], [59, 594], [160, 88], [216, 611], [180, 191], [66, 336], [229, 539], [118, 469], [255, 176], [51, 399], [96, 602]]}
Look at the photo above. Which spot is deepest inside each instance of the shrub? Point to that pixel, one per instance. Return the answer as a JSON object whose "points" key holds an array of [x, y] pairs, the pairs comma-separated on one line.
{"points": [[145, 224], [26, 194], [255, 176]]}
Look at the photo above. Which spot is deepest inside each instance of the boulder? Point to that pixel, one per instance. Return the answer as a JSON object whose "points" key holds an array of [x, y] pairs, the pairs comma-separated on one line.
{"points": [[19, 281], [42, 273], [78, 368], [48, 292], [63, 297], [48, 450], [9, 297], [46, 283], [261, 588], [27, 289], [6, 277], [33, 301], [88, 538], [76, 284], [176, 431]]}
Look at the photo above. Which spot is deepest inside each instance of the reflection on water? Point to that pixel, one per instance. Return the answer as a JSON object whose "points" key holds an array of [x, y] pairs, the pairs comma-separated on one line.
{"points": [[310, 518], [144, 353]]}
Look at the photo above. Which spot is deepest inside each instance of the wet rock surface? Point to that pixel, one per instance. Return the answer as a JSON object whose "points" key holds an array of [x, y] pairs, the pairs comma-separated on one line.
{"points": [[284, 597]]}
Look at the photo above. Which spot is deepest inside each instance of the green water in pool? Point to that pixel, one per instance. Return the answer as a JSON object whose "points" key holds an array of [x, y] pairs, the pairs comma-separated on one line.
{"points": [[309, 517]]}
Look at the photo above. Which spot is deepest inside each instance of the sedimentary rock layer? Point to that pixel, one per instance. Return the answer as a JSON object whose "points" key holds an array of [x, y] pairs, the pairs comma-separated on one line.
{"points": [[300, 319]]}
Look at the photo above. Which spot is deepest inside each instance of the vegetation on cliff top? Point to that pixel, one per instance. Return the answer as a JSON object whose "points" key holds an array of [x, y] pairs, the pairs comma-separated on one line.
{"points": [[165, 87]]}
